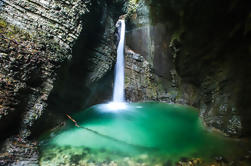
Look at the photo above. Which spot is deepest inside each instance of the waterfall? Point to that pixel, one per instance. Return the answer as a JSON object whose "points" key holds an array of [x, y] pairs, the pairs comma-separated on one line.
{"points": [[118, 102], [118, 91]]}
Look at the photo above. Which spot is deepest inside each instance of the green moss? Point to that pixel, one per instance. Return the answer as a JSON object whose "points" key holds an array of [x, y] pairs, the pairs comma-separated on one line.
{"points": [[39, 38], [3, 24], [132, 7], [13, 32]]}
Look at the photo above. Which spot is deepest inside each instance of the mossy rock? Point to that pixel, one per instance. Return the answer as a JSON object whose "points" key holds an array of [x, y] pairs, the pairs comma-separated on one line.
{"points": [[13, 32]]}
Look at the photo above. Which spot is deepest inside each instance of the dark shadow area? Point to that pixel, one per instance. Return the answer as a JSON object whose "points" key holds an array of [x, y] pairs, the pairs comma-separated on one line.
{"points": [[213, 43], [10, 125], [71, 91]]}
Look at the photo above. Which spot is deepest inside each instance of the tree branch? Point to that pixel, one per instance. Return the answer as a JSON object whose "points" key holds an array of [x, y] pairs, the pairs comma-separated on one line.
{"points": [[109, 137]]}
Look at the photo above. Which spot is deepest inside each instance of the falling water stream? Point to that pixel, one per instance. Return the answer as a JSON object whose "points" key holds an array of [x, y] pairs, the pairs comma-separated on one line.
{"points": [[118, 91]]}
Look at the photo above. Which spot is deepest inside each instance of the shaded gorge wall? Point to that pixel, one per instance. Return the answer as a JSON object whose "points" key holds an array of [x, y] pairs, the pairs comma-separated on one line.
{"points": [[36, 40], [198, 54], [86, 79]]}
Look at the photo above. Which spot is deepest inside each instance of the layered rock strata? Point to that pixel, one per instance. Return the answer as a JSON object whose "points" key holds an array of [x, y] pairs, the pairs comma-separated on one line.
{"points": [[36, 38], [197, 56]]}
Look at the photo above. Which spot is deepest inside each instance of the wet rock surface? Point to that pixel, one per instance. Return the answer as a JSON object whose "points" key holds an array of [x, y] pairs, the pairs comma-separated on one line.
{"points": [[59, 20], [38, 84], [152, 43], [138, 78], [88, 78], [27, 75], [143, 83], [196, 59], [33, 47], [17, 151]]}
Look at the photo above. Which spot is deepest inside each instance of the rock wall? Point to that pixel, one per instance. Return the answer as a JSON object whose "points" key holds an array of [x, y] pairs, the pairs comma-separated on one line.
{"points": [[59, 20], [88, 79], [36, 38], [56, 57], [39, 38], [142, 83], [198, 55], [152, 42]]}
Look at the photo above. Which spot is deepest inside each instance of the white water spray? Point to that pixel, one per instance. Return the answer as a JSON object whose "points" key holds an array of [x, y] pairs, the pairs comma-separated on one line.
{"points": [[118, 91]]}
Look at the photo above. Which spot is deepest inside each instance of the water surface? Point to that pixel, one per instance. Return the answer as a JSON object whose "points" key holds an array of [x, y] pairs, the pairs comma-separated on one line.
{"points": [[141, 133]]}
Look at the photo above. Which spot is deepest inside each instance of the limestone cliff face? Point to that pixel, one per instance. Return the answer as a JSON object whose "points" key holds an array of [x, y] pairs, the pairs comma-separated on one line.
{"points": [[55, 58], [196, 55], [151, 42], [88, 78], [36, 39], [59, 20]]}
